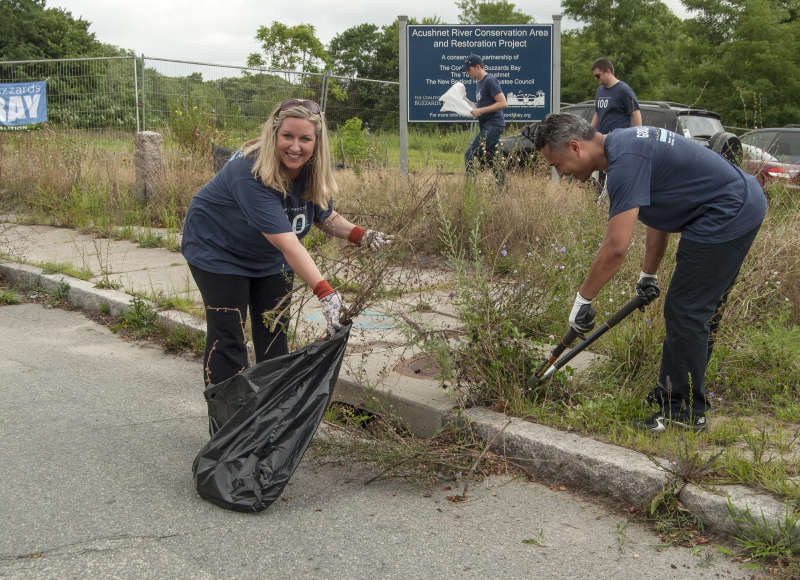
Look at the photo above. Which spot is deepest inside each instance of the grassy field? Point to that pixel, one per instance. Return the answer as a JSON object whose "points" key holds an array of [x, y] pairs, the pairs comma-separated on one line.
{"points": [[517, 256]]}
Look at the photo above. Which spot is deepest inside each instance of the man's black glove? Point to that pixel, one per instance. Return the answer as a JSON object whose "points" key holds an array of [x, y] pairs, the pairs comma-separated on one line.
{"points": [[581, 319], [647, 287]]}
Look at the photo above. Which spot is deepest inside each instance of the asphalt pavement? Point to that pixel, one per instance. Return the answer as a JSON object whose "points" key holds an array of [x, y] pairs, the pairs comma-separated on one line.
{"points": [[96, 448]]}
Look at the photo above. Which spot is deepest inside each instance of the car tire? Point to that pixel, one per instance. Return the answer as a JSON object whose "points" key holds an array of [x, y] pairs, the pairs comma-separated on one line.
{"points": [[727, 145]]}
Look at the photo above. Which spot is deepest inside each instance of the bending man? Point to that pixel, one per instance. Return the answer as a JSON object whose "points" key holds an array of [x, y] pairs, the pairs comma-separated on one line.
{"points": [[670, 184]]}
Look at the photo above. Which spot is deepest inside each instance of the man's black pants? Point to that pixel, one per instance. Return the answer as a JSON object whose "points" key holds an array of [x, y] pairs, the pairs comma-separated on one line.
{"points": [[704, 274], [227, 299]]}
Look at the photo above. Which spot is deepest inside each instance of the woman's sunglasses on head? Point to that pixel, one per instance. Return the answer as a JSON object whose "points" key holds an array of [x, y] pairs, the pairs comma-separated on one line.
{"points": [[307, 104]]}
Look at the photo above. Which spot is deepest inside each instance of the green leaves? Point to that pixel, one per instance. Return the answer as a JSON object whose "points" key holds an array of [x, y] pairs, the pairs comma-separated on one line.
{"points": [[294, 48], [483, 12], [29, 30]]}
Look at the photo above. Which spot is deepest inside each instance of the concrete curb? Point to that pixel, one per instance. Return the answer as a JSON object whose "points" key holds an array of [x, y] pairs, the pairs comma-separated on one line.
{"points": [[580, 461], [613, 471], [84, 295], [623, 474], [712, 505]]}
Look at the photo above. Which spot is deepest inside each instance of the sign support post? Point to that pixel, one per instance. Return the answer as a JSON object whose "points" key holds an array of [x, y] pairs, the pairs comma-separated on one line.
{"points": [[403, 60]]}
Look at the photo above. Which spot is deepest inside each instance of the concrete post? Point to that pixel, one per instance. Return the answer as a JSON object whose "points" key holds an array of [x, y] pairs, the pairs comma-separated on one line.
{"points": [[148, 165]]}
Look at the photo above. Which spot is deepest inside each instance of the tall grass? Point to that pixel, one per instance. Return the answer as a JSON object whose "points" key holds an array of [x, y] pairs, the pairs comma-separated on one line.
{"points": [[77, 181]]}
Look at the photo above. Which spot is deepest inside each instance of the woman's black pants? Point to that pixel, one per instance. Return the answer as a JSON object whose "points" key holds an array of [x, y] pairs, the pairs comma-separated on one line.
{"points": [[227, 299]]}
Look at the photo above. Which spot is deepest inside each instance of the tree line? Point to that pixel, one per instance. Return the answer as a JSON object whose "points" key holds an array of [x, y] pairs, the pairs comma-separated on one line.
{"points": [[740, 58]]}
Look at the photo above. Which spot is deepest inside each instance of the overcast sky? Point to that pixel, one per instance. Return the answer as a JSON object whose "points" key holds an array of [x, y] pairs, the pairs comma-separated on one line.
{"points": [[223, 31]]}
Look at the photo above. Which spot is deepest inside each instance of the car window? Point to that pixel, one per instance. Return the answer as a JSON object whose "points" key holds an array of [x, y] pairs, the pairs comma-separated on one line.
{"points": [[760, 139], [654, 118], [787, 147], [754, 153], [697, 126]]}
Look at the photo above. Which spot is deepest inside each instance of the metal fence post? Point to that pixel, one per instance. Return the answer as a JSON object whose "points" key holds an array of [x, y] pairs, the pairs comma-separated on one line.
{"points": [[323, 97], [144, 76], [135, 92]]}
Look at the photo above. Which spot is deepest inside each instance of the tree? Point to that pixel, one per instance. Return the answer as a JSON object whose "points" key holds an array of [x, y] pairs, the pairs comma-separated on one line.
{"points": [[638, 36], [487, 12], [746, 60], [29, 30], [354, 51], [578, 51], [291, 48]]}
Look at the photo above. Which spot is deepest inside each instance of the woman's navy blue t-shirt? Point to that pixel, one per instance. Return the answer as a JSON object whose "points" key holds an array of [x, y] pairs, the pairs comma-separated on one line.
{"points": [[226, 220]]}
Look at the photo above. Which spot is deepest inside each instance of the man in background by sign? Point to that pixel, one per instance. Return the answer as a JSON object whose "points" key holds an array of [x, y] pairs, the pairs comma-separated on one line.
{"points": [[491, 101]]}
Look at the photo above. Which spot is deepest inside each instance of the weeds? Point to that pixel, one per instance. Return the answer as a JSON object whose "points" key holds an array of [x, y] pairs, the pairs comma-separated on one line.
{"points": [[180, 338], [622, 536], [673, 521], [538, 540], [8, 296], [454, 454], [140, 319], [760, 540], [68, 269]]}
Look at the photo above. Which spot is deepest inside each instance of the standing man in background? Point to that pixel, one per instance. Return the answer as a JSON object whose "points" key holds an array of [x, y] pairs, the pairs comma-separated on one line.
{"points": [[615, 107], [491, 101], [615, 104]]}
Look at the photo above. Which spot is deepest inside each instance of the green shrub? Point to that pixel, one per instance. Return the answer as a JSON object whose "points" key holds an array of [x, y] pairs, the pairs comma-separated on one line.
{"points": [[354, 139]]}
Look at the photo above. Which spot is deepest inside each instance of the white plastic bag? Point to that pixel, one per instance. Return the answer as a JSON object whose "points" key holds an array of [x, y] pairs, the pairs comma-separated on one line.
{"points": [[455, 101]]}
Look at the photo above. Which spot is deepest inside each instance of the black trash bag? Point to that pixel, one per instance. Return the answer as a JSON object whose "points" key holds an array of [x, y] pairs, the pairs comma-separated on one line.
{"points": [[268, 415]]}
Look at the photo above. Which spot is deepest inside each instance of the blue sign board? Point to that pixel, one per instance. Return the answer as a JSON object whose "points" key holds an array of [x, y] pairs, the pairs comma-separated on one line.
{"points": [[519, 56], [23, 103]]}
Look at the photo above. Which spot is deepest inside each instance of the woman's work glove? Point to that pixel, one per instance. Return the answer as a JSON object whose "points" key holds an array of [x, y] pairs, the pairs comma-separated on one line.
{"points": [[647, 287], [581, 319], [332, 305], [372, 239]]}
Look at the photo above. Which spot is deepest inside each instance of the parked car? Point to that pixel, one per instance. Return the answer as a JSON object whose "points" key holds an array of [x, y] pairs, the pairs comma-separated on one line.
{"points": [[773, 155], [700, 125]]}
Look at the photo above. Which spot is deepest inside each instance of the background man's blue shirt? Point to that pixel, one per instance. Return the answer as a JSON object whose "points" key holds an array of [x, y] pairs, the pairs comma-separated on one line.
{"points": [[680, 186], [614, 106], [485, 92], [223, 229]]}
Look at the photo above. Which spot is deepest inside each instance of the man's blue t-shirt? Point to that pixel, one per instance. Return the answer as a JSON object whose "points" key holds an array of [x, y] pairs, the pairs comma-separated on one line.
{"points": [[225, 221], [680, 186], [614, 106], [485, 92]]}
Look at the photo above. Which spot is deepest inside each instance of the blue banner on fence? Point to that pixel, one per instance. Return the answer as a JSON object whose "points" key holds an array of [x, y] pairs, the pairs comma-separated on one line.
{"points": [[518, 56], [23, 103]]}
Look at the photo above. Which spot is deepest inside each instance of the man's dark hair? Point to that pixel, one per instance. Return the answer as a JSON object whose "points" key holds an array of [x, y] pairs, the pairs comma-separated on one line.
{"points": [[603, 65], [558, 129]]}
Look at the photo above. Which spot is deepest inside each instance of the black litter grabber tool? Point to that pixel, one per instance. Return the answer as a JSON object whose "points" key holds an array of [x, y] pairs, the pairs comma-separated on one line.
{"points": [[548, 368]]}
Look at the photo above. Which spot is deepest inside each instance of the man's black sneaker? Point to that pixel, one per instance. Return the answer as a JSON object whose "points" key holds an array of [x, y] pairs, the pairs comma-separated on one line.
{"points": [[696, 423], [659, 422]]}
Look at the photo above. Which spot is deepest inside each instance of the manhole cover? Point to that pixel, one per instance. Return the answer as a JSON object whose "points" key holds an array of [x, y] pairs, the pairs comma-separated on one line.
{"points": [[421, 367]]}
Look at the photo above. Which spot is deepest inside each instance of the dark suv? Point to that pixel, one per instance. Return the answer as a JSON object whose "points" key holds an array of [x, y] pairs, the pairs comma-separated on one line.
{"points": [[698, 124]]}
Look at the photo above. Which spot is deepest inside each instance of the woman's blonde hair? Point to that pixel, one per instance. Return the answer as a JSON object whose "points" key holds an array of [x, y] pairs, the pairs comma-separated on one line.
{"points": [[267, 166]]}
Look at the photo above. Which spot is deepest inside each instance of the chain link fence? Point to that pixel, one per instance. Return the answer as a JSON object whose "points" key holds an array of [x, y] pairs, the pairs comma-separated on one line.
{"points": [[196, 104], [148, 93], [83, 93]]}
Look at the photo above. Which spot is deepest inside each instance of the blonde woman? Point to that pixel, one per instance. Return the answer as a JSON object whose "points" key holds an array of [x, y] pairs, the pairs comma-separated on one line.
{"points": [[243, 230]]}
